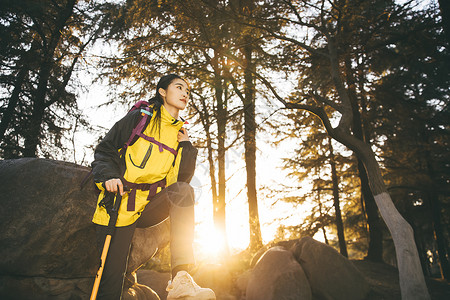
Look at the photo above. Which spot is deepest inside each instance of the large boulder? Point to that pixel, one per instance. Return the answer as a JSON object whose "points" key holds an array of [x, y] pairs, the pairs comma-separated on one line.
{"points": [[138, 291], [48, 248], [278, 276], [331, 275], [241, 283], [156, 280]]}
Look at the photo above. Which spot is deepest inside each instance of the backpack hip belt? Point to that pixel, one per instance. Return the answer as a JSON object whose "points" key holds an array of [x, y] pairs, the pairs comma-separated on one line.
{"points": [[151, 187]]}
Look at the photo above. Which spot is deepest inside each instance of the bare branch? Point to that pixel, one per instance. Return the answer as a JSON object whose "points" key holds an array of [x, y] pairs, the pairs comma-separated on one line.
{"points": [[326, 101], [233, 83], [318, 111], [288, 39]]}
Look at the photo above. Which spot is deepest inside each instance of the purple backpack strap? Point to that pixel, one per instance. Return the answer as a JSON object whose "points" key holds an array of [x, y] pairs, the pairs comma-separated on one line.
{"points": [[139, 127], [138, 105], [160, 145]]}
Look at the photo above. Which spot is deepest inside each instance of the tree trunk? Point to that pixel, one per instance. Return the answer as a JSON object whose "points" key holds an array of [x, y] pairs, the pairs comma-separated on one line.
{"points": [[15, 95], [412, 281], [422, 251], [33, 133], [321, 226], [32, 136], [212, 169], [325, 238], [13, 101], [444, 6], [250, 148], [435, 208], [439, 234], [375, 250], [219, 215], [337, 208]]}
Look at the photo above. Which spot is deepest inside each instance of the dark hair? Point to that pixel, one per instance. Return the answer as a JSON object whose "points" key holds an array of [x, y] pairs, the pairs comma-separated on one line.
{"points": [[157, 101]]}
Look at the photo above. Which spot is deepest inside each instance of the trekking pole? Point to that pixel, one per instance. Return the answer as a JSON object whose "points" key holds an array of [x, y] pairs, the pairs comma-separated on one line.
{"points": [[109, 233]]}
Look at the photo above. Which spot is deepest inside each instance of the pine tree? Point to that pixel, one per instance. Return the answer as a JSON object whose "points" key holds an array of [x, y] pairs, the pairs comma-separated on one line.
{"points": [[321, 40], [44, 42]]}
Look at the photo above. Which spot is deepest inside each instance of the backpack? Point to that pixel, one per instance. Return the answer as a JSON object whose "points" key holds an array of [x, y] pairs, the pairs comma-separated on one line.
{"points": [[146, 112], [138, 132]]}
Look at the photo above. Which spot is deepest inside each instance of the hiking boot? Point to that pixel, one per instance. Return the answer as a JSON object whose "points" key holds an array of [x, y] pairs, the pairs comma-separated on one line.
{"points": [[184, 287]]}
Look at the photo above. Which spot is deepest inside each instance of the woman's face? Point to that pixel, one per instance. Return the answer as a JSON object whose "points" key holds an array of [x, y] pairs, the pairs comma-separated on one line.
{"points": [[176, 95]]}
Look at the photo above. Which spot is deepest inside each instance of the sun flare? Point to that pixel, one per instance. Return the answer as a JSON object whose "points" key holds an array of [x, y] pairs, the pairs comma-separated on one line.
{"points": [[211, 244]]}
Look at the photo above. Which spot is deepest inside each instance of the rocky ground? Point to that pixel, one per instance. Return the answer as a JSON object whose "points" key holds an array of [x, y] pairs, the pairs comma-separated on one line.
{"points": [[47, 252], [383, 280]]}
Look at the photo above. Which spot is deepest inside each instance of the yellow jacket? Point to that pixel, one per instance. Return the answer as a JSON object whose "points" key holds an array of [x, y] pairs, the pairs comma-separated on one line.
{"points": [[142, 162]]}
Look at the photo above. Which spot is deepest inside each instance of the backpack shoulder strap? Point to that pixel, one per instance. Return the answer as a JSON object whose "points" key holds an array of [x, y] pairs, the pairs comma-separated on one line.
{"points": [[145, 113], [138, 105]]}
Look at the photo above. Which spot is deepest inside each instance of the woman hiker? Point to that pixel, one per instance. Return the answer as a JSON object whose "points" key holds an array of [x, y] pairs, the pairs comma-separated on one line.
{"points": [[156, 167]]}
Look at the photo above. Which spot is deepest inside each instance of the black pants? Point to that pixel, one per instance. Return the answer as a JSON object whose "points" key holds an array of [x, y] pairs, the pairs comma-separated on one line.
{"points": [[177, 202]]}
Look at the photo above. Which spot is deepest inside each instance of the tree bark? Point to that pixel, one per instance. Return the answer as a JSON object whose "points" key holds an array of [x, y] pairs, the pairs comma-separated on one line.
{"points": [[375, 250], [336, 204], [412, 281], [212, 168], [435, 208], [439, 234], [250, 148], [321, 225], [220, 210]]}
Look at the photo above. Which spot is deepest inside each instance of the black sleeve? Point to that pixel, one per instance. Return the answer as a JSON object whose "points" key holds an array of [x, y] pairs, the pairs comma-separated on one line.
{"points": [[107, 163], [187, 163]]}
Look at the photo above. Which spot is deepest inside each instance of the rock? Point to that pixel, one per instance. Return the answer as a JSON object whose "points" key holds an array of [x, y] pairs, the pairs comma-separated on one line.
{"points": [[132, 290], [284, 244], [278, 276], [156, 280], [241, 283], [48, 248], [140, 292], [331, 275], [145, 244], [257, 255]]}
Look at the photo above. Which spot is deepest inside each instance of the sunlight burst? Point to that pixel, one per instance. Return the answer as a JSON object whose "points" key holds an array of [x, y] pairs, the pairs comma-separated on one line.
{"points": [[211, 243]]}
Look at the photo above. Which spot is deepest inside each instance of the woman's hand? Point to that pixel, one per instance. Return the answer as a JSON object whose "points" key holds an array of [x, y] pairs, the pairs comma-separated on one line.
{"points": [[114, 185], [183, 135]]}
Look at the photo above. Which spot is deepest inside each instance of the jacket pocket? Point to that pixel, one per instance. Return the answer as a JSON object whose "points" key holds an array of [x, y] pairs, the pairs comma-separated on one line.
{"points": [[141, 165]]}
